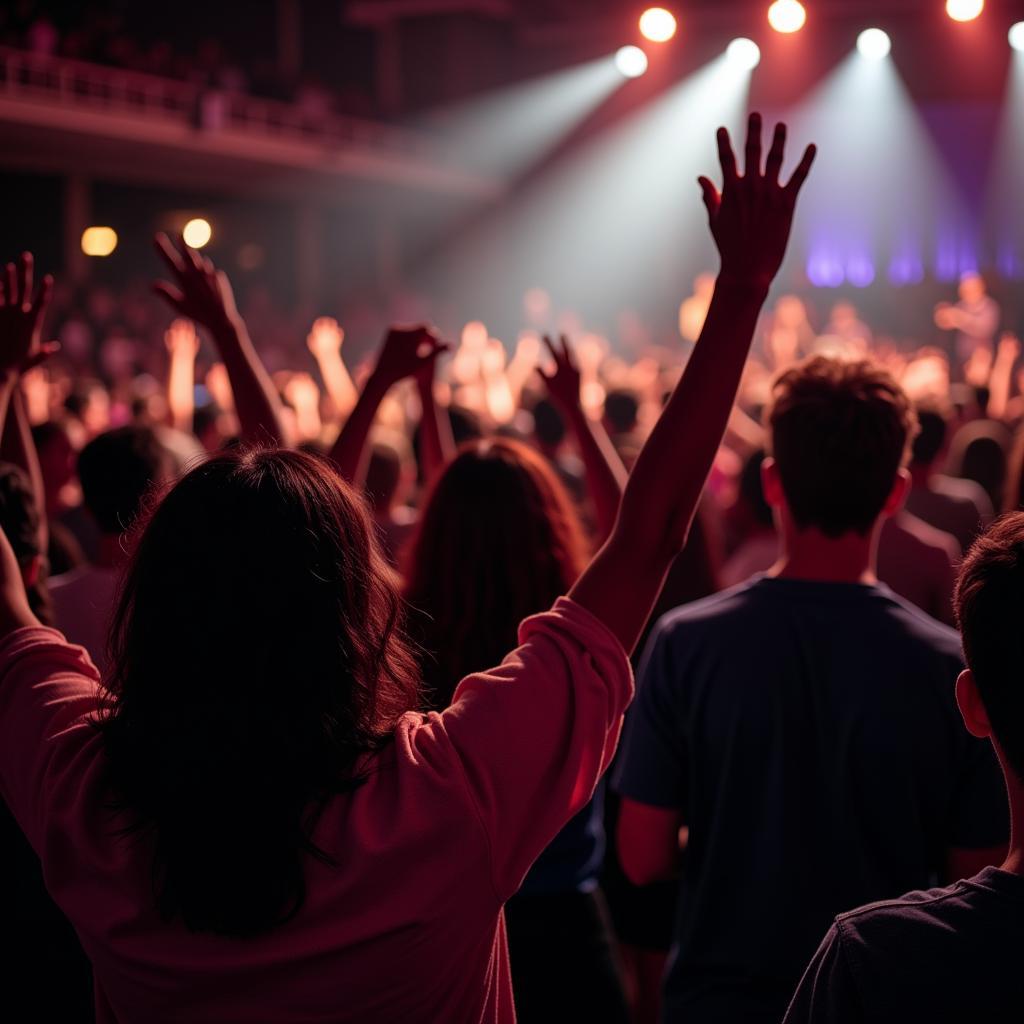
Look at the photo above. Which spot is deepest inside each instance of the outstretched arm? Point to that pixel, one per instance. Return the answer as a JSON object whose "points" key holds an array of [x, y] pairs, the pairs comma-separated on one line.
{"points": [[324, 342], [406, 352], [437, 445], [202, 293], [183, 346], [21, 324], [750, 221], [606, 475]]}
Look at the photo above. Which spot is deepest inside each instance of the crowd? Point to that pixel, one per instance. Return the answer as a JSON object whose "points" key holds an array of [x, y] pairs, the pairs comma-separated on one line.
{"points": [[312, 678]]}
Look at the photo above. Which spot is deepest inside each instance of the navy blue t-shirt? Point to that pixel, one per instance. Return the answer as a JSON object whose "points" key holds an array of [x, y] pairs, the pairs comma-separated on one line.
{"points": [[808, 733], [943, 955]]}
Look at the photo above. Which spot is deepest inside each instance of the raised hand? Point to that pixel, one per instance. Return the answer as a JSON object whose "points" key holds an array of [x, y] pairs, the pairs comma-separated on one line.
{"points": [[199, 290], [325, 338], [408, 352], [21, 316], [751, 217], [564, 383], [181, 339]]}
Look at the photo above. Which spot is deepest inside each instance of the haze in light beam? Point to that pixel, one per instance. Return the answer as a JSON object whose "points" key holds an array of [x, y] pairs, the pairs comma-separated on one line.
{"points": [[507, 131]]}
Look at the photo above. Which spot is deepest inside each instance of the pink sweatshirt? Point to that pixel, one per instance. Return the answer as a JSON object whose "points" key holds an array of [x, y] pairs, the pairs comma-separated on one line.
{"points": [[409, 926]]}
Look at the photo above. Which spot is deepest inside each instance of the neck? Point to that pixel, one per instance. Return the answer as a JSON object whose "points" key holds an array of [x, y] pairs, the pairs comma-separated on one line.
{"points": [[810, 555], [1014, 862], [111, 555]]}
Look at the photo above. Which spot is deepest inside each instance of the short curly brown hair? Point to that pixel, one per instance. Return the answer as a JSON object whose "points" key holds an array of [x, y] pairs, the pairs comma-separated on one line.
{"points": [[839, 431]]}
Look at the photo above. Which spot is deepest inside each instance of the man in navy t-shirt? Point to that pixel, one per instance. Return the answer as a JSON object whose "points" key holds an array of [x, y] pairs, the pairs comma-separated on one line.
{"points": [[949, 954], [802, 726]]}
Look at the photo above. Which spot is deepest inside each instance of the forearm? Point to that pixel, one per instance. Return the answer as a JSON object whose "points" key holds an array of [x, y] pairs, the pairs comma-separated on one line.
{"points": [[256, 400], [999, 385], [437, 445], [624, 580], [180, 390], [349, 453], [338, 382], [18, 448], [605, 474]]}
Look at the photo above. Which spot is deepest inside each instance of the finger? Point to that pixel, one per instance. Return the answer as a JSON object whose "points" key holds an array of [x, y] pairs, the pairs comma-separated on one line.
{"points": [[25, 280], [726, 157], [753, 148], [171, 295], [42, 299], [48, 349], [13, 298], [192, 256], [795, 183], [550, 345], [543, 376], [165, 249], [712, 200], [775, 154]]}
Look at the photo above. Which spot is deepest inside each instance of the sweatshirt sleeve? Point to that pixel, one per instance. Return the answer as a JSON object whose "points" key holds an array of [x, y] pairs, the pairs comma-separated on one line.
{"points": [[49, 692], [535, 734]]}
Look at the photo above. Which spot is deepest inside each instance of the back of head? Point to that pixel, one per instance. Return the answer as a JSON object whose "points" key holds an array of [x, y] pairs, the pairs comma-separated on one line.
{"points": [[752, 490], [383, 475], [548, 424], [498, 540], [117, 469], [621, 409], [256, 654], [931, 436], [989, 604], [979, 451], [839, 433]]}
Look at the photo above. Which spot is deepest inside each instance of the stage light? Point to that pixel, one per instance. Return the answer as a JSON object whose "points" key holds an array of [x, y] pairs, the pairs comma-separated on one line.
{"points": [[631, 61], [197, 232], [744, 53], [1016, 36], [657, 24], [964, 10], [787, 16], [874, 44], [99, 241]]}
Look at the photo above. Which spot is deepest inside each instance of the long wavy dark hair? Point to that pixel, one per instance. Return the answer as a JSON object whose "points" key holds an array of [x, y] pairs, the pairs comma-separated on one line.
{"points": [[499, 539], [257, 654]]}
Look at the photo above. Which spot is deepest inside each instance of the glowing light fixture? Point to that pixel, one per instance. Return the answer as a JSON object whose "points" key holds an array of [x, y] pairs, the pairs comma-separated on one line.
{"points": [[197, 232], [99, 241], [874, 44], [631, 61], [743, 53], [1016, 36], [657, 24], [964, 10], [787, 16]]}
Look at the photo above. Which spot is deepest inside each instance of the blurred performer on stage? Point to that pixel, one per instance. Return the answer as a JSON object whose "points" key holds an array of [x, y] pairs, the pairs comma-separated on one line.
{"points": [[975, 318]]}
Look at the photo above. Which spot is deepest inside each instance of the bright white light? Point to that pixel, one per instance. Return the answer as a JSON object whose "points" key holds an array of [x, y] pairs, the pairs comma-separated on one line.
{"points": [[1017, 36], [197, 232], [99, 241], [964, 10], [744, 53], [787, 16], [874, 44], [657, 24], [631, 61]]}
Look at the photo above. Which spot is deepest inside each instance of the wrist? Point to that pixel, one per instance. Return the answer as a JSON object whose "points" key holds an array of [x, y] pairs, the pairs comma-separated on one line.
{"points": [[750, 286]]}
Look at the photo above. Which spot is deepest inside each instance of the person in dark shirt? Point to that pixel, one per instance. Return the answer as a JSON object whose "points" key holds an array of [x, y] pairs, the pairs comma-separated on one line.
{"points": [[949, 954], [802, 726]]}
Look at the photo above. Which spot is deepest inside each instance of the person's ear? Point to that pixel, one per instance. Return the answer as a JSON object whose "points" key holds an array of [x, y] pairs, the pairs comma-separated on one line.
{"points": [[897, 494], [31, 571], [971, 707], [771, 483]]}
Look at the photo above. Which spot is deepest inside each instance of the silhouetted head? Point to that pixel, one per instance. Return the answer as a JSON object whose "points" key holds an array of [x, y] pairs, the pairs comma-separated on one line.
{"points": [[989, 602], [839, 433], [257, 653], [930, 441], [979, 451], [621, 409], [498, 540], [548, 424], [117, 469]]}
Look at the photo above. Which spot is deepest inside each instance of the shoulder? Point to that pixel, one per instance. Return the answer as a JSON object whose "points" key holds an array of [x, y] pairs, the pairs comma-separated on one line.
{"points": [[723, 608], [919, 628]]}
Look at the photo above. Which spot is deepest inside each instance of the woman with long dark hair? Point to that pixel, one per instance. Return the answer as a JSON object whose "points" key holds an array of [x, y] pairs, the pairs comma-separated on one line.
{"points": [[252, 822], [499, 540]]}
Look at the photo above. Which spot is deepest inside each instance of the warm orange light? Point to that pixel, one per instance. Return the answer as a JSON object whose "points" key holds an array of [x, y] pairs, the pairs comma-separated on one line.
{"points": [[964, 10], [787, 16], [99, 241], [197, 232], [657, 24]]}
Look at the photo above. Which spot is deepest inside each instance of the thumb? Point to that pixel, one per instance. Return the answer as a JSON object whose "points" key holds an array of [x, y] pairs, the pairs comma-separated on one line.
{"points": [[712, 200]]}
